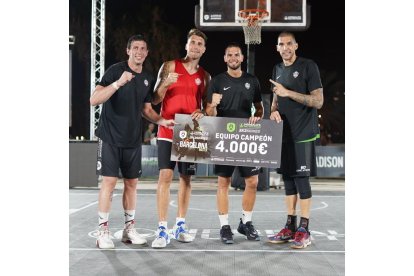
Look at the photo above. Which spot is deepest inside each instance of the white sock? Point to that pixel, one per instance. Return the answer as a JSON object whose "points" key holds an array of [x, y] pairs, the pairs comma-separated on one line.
{"points": [[103, 218], [129, 216], [177, 220], [247, 216], [224, 219], [163, 223]]}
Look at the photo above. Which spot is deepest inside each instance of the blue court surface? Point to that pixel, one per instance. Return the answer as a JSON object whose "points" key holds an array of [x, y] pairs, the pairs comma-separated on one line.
{"points": [[206, 255]]}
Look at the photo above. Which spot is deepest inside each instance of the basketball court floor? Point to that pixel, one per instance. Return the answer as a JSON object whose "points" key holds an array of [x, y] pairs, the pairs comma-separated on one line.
{"points": [[206, 255]]}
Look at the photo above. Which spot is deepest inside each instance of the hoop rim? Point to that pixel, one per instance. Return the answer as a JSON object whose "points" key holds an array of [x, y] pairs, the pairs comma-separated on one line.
{"points": [[246, 14]]}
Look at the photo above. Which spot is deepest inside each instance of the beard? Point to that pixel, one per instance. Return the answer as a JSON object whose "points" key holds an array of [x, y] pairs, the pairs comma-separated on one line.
{"points": [[234, 67]]}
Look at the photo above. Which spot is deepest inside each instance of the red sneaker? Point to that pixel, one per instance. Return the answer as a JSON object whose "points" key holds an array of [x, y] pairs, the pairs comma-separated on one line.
{"points": [[283, 236], [302, 239]]}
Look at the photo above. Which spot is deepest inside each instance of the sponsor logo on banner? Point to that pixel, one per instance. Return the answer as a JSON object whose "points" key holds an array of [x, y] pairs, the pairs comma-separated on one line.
{"points": [[231, 127], [183, 134]]}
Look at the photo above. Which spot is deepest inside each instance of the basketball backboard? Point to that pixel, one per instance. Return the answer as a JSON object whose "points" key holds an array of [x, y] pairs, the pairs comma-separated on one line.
{"points": [[222, 15]]}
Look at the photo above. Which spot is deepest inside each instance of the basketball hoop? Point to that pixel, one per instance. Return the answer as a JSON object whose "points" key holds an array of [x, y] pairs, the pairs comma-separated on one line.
{"points": [[251, 20]]}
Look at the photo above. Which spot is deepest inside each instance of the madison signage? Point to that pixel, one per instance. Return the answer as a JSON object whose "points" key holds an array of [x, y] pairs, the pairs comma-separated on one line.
{"points": [[330, 161]]}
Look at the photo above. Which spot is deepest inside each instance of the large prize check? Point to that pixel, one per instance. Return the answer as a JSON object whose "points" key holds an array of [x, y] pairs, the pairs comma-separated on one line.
{"points": [[227, 141]]}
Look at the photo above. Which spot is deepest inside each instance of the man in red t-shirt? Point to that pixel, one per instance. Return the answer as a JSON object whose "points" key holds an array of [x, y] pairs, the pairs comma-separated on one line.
{"points": [[180, 88]]}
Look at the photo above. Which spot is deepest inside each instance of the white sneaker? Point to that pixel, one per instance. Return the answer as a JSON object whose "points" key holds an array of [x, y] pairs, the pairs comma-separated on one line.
{"points": [[130, 235], [162, 238], [181, 234], [103, 240]]}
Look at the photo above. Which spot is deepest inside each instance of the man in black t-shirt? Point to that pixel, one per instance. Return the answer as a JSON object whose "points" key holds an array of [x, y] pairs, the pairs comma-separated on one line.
{"points": [[232, 94], [125, 91], [298, 94]]}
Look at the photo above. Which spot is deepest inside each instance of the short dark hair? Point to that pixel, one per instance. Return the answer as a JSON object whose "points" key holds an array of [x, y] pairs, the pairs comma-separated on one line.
{"points": [[197, 32], [137, 37], [233, 44], [286, 33]]}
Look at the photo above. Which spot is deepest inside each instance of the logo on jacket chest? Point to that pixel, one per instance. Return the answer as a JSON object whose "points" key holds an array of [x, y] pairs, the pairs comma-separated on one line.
{"points": [[295, 74], [197, 81], [247, 85], [146, 82]]}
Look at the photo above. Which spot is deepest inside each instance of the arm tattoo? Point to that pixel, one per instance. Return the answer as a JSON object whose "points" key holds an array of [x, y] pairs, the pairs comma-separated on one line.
{"points": [[164, 74], [159, 93], [315, 99]]}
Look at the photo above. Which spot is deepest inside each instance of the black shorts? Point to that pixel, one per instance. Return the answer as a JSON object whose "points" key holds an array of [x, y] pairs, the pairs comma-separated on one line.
{"points": [[298, 159], [111, 159], [227, 171], [164, 160]]}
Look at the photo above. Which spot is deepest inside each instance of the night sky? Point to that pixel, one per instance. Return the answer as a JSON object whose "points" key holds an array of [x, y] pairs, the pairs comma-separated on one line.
{"points": [[324, 42]]}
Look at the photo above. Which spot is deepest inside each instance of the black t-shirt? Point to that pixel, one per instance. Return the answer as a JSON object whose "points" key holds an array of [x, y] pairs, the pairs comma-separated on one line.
{"points": [[120, 122], [299, 121], [238, 94]]}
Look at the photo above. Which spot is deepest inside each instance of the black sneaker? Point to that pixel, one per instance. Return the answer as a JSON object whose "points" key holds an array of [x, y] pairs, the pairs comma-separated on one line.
{"points": [[226, 235], [248, 230]]}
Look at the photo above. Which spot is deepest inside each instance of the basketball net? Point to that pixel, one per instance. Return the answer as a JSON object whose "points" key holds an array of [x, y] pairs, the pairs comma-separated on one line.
{"points": [[251, 21]]}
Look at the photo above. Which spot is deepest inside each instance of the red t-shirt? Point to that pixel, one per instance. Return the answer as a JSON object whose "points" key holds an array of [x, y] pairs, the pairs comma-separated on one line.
{"points": [[183, 96]]}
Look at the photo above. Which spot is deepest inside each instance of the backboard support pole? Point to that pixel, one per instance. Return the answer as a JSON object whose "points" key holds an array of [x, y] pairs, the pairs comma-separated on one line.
{"points": [[250, 58]]}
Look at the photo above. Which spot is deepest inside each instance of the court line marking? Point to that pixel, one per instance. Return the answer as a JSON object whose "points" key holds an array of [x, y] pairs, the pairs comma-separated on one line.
{"points": [[73, 211], [173, 204], [196, 195], [209, 250]]}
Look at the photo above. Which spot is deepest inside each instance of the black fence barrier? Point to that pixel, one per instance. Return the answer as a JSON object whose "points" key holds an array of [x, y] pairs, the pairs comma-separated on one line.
{"points": [[330, 162], [82, 163]]}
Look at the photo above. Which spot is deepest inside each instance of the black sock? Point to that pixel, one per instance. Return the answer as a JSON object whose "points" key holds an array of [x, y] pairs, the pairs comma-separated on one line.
{"points": [[291, 223], [304, 222]]}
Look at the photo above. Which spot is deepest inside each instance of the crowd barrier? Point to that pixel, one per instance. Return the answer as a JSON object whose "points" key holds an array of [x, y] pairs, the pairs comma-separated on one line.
{"points": [[330, 162]]}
